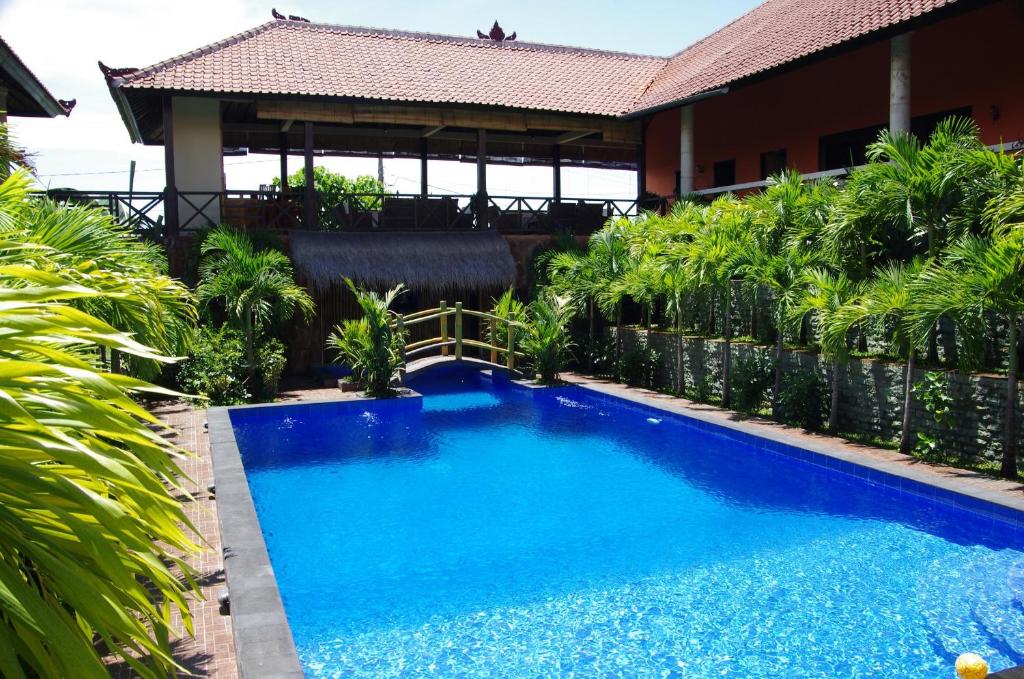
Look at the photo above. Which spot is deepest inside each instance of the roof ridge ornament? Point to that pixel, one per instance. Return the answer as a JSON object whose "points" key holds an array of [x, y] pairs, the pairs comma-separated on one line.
{"points": [[291, 17], [496, 34]]}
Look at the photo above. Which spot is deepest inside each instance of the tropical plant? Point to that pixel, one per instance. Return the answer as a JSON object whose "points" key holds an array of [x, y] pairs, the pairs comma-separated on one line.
{"points": [[978, 278], [802, 401], [83, 243], [373, 346], [752, 380], [514, 313], [933, 392], [886, 301], [254, 287], [611, 260], [91, 539], [546, 342], [215, 370], [825, 295], [334, 190]]}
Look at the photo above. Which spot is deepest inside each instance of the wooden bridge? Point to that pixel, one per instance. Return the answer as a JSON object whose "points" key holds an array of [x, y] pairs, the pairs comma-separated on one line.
{"points": [[454, 343]]}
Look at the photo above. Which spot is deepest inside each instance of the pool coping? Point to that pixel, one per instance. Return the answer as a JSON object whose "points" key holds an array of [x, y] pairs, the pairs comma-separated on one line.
{"points": [[264, 644]]}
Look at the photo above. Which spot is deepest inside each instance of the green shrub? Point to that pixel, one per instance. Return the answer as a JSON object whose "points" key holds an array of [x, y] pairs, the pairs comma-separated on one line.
{"points": [[933, 392], [752, 379], [511, 309], [270, 363], [638, 363], [546, 341], [704, 389], [216, 369], [803, 400], [372, 345]]}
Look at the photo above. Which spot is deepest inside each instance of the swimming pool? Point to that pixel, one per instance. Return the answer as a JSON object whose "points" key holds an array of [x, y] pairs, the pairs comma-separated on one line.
{"points": [[492, 530]]}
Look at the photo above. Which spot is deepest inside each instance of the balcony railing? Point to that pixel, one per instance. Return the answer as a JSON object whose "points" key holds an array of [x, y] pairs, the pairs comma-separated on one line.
{"points": [[273, 209]]}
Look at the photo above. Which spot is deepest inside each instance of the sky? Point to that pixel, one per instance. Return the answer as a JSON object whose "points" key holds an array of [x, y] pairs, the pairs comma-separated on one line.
{"points": [[62, 40]]}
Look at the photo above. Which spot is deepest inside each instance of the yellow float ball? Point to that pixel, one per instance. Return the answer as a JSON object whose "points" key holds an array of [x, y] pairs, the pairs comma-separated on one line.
{"points": [[971, 666]]}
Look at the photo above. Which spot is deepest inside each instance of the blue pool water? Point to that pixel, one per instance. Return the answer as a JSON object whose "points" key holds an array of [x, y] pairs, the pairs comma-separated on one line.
{"points": [[488, 530]]}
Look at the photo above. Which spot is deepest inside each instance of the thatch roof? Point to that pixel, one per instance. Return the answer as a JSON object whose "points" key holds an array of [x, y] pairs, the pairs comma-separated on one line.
{"points": [[427, 261]]}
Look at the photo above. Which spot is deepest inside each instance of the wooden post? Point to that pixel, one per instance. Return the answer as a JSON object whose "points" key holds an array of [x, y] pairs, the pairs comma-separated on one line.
{"points": [[309, 194], [401, 331], [423, 168], [510, 360], [444, 328], [171, 190], [284, 162], [458, 331], [556, 169], [494, 339], [482, 203]]}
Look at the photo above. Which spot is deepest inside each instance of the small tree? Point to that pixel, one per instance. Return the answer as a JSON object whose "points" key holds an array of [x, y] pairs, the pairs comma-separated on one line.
{"points": [[373, 346], [978, 278], [255, 287], [546, 341], [365, 192]]}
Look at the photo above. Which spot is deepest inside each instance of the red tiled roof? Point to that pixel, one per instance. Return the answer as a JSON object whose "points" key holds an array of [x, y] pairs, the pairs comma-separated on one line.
{"points": [[298, 58], [310, 59], [773, 34]]}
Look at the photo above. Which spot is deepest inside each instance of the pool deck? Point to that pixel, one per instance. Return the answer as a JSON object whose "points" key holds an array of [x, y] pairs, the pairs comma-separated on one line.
{"points": [[211, 653]]}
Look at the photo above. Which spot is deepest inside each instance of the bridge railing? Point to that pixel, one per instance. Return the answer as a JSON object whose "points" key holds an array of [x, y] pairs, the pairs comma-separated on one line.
{"points": [[455, 341]]}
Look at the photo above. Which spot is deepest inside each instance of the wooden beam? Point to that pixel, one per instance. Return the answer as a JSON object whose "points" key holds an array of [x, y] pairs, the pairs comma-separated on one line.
{"points": [[431, 131], [312, 111], [481, 179], [309, 193], [284, 162], [171, 186], [423, 167], [287, 125], [556, 170], [568, 137]]}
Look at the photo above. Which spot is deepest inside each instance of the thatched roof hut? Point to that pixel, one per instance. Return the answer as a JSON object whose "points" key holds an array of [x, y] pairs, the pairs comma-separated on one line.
{"points": [[437, 262]]}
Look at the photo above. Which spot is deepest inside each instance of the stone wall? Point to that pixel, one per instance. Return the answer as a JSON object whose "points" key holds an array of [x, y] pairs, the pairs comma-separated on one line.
{"points": [[871, 392]]}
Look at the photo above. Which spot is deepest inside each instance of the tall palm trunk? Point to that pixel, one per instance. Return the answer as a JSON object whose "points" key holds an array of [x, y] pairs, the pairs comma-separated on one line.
{"points": [[833, 413], [753, 315], [777, 389], [618, 336], [727, 347], [250, 345], [908, 391], [680, 375], [1009, 466], [590, 352]]}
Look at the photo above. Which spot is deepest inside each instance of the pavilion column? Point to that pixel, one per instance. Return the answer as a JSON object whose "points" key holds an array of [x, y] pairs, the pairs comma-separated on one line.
{"points": [[556, 169], [687, 164], [309, 189], [899, 83], [170, 183], [481, 180], [3, 105], [424, 189], [284, 162], [641, 171]]}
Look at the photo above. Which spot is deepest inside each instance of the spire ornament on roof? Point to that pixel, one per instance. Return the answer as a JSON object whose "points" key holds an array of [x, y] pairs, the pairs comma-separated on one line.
{"points": [[496, 34]]}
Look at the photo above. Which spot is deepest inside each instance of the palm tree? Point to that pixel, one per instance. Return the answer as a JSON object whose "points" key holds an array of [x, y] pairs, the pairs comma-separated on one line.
{"points": [[575, 274], [611, 259], [825, 295], [90, 536], [976, 278], [782, 274], [546, 340], [714, 261], [373, 345], [84, 244], [255, 287], [887, 300]]}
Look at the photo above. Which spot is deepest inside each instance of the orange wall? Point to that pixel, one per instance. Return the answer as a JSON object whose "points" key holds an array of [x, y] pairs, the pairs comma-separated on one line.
{"points": [[969, 60]]}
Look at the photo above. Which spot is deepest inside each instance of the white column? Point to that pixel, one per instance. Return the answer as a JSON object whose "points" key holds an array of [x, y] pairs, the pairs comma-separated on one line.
{"points": [[686, 158], [899, 83], [198, 160]]}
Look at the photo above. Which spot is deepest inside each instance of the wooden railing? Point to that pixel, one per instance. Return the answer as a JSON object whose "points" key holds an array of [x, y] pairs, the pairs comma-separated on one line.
{"points": [[455, 341]]}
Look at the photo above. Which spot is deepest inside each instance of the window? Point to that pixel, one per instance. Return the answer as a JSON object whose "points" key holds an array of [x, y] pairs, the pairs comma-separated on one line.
{"points": [[772, 162], [725, 172], [847, 149]]}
